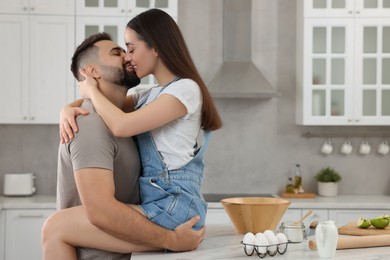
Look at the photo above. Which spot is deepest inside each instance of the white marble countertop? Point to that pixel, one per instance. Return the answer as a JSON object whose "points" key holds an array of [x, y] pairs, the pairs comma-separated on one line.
{"points": [[338, 202], [28, 202], [223, 242]]}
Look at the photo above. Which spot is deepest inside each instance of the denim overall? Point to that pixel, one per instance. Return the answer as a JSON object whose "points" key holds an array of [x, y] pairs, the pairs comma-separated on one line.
{"points": [[170, 197]]}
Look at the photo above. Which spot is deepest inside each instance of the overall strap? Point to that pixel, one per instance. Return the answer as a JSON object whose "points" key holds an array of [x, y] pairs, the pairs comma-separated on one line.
{"points": [[145, 97], [200, 150], [206, 139]]}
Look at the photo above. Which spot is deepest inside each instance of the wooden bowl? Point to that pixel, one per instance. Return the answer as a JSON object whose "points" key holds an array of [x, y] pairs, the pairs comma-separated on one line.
{"points": [[255, 214]]}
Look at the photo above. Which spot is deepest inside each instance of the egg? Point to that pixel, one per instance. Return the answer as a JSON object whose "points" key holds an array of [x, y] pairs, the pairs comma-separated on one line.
{"points": [[282, 241], [282, 238], [272, 240], [269, 233], [262, 243], [249, 241], [259, 235]]}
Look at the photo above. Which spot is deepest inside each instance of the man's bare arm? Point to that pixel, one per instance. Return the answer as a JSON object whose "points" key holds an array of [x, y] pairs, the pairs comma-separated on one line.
{"points": [[96, 189]]}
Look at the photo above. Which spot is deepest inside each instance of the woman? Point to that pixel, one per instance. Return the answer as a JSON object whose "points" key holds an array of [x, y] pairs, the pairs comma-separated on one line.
{"points": [[166, 122]]}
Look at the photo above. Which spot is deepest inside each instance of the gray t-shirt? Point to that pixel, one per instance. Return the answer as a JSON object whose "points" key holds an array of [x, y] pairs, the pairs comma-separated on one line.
{"points": [[94, 146]]}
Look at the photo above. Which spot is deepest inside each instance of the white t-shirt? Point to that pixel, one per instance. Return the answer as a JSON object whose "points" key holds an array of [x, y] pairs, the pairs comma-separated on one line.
{"points": [[176, 140]]}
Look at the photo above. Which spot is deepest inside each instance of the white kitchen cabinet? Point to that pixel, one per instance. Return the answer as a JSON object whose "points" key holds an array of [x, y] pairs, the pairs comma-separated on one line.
{"points": [[343, 217], [217, 216], [88, 25], [38, 41], [343, 8], [119, 12], [126, 8], [2, 233], [343, 63], [291, 215], [319, 215], [295, 214], [23, 233], [36, 52], [58, 7]]}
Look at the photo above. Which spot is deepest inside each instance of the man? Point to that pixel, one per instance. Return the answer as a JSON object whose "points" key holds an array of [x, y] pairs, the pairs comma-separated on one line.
{"points": [[100, 171]]}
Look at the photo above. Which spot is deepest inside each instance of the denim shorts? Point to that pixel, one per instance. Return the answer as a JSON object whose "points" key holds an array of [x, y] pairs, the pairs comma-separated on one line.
{"points": [[172, 201]]}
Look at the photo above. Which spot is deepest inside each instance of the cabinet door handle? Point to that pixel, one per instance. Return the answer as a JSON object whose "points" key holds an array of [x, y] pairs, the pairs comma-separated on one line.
{"points": [[38, 215], [25, 8], [32, 8]]}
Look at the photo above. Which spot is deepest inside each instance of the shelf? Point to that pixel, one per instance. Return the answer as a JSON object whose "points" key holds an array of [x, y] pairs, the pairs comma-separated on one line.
{"points": [[346, 135]]}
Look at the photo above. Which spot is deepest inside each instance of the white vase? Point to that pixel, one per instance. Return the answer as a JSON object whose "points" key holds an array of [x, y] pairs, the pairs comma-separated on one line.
{"points": [[327, 189], [326, 239]]}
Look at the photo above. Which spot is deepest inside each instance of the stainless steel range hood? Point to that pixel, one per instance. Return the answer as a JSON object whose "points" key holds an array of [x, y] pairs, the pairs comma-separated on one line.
{"points": [[238, 77]]}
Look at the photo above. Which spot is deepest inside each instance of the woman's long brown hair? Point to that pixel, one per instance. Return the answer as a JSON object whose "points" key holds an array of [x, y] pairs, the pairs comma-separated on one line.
{"points": [[161, 32]]}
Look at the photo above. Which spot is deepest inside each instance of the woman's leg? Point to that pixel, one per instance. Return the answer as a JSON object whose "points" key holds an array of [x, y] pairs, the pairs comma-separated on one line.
{"points": [[70, 227]]}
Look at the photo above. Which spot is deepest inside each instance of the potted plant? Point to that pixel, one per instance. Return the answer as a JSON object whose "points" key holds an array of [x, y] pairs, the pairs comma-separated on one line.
{"points": [[327, 179]]}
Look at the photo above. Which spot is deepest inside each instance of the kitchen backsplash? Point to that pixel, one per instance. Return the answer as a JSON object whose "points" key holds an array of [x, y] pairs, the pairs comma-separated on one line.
{"points": [[259, 145], [246, 156], [30, 148]]}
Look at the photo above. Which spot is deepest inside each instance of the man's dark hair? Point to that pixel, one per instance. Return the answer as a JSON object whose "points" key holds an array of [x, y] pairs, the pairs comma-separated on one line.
{"points": [[84, 50]]}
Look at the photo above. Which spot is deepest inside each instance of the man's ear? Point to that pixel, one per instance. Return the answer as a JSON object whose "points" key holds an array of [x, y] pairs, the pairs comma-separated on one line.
{"points": [[92, 71], [155, 52]]}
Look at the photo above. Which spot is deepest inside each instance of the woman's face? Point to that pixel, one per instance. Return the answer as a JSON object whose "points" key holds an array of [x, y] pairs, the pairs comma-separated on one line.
{"points": [[139, 54]]}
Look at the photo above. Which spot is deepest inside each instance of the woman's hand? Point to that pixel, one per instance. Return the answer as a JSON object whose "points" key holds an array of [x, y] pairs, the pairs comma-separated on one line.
{"points": [[68, 125], [88, 85]]}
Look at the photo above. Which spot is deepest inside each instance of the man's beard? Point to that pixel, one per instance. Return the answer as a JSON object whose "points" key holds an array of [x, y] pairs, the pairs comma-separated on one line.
{"points": [[120, 76]]}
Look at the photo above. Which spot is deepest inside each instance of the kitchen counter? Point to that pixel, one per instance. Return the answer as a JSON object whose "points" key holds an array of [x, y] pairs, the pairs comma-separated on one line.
{"points": [[28, 202], [338, 202], [223, 242]]}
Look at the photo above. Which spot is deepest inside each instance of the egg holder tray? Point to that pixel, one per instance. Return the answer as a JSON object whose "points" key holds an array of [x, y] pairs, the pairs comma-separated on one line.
{"points": [[255, 248]]}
